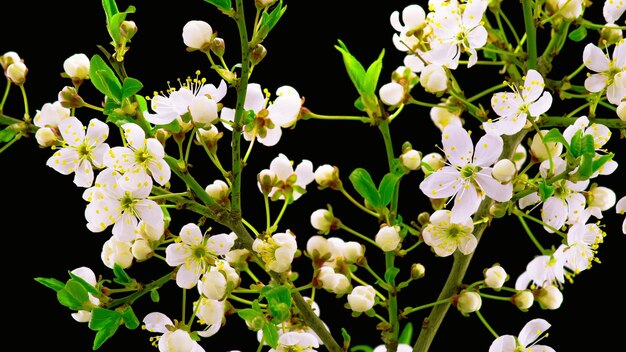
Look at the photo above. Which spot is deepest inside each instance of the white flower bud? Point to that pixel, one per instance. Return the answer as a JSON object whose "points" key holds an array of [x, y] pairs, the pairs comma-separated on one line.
{"points": [[118, 252], [218, 190], [602, 197], [213, 284], [388, 238], [16, 73], [77, 66], [332, 281], [418, 271], [523, 300], [234, 256], [468, 302], [319, 246], [621, 110], [362, 298], [326, 175], [8, 58], [352, 251], [203, 111], [443, 117], [45, 136], [539, 151], [550, 297], [197, 35], [141, 249], [495, 277], [504, 170], [434, 79], [411, 159], [434, 160], [391, 93], [612, 33], [321, 219]]}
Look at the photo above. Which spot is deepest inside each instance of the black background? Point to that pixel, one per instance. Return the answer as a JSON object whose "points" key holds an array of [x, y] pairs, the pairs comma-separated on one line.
{"points": [[44, 226]]}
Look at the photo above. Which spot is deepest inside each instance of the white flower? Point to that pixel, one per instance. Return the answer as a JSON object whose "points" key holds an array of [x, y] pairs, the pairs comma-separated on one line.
{"points": [[277, 251], [77, 67], [495, 277], [143, 157], [292, 183], [601, 197], [568, 9], [543, 270], [514, 108], [197, 35], [214, 281], [193, 251], [388, 238], [82, 151], [362, 298], [526, 340], [50, 115], [613, 10], [296, 341], [434, 79], [117, 252], [414, 19], [468, 178], [582, 241], [609, 73], [442, 116], [111, 204], [402, 347], [211, 313], [174, 340], [620, 208], [85, 273]]}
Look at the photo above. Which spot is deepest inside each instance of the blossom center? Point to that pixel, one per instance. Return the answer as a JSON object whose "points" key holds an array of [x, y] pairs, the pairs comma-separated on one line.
{"points": [[468, 171]]}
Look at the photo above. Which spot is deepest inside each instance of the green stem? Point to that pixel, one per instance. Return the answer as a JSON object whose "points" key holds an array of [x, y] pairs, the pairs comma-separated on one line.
{"points": [[484, 321], [531, 34]]}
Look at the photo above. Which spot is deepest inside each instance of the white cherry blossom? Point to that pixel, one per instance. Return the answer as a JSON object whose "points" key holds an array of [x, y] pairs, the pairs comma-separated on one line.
{"points": [[50, 115], [513, 109], [172, 339], [609, 73], [613, 10], [291, 183], [620, 208], [277, 251], [445, 236], [543, 270], [527, 339], [413, 20]]}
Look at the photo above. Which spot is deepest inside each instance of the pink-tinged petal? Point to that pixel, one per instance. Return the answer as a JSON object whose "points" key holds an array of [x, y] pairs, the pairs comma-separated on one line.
{"points": [[135, 136], [554, 213], [596, 82], [176, 254], [281, 166], [457, 145], [467, 244], [595, 59], [466, 203], [160, 171], [492, 187], [255, 99], [443, 183], [505, 103], [72, 131], [83, 175], [504, 343], [191, 234], [124, 228], [63, 160], [222, 243], [487, 150], [532, 331], [188, 274], [157, 322], [530, 199], [533, 86], [541, 105]]}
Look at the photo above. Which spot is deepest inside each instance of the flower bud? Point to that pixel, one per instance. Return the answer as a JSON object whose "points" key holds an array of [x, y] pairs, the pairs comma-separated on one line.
{"points": [[45, 136], [352, 251], [322, 220], [219, 191], [391, 93], [318, 247], [610, 34], [69, 98], [198, 35], [76, 67], [267, 179], [332, 281], [128, 29], [327, 176], [362, 298], [203, 111], [262, 4], [621, 110], [434, 79], [504, 170], [118, 252], [523, 300], [8, 58], [495, 277], [550, 297], [434, 161], [209, 137], [423, 218], [258, 54], [417, 271], [141, 249], [498, 210], [388, 238], [16, 73], [411, 159], [468, 302], [538, 149], [218, 46], [601, 197], [443, 117]]}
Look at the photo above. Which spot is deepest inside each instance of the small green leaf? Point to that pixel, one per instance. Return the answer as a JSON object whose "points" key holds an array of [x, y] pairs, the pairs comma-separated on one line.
{"points": [[223, 5], [7, 134], [575, 148], [85, 284], [129, 317], [154, 296], [110, 8], [103, 335], [554, 135], [490, 54], [373, 73], [361, 348], [268, 21], [248, 314], [364, 185], [578, 34], [388, 186], [545, 191], [120, 275], [588, 147], [104, 79], [51, 283], [407, 334], [101, 318], [585, 169], [270, 334], [356, 72], [391, 273], [73, 295], [130, 87], [599, 162]]}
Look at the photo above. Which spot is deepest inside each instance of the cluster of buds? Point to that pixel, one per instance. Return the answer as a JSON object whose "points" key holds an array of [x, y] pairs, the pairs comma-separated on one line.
{"points": [[14, 68]]}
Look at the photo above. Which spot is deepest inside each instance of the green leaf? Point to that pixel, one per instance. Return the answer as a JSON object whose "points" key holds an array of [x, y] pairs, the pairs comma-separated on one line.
{"points": [[391, 273], [361, 348], [154, 296], [490, 54], [104, 79], [545, 191], [278, 302], [585, 169], [248, 314], [110, 8], [85, 284], [388, 186], [575, 148], [270, 334], [223, 5], [588, 147], [103, 335], [102, 318], [356, 72], [268, 21], [120, 275], [7, 134], [129, 317], [130, 87], [364, 185], [73, 295], [599, 162], [578, 34], [51, 283], [407, 334], [554, 135], [373, 73]]}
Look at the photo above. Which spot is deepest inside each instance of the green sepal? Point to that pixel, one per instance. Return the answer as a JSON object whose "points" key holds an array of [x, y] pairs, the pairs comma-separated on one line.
{"points": [[223, 5], [545, 191], [104, 79], [364, 185], [578, 34]]}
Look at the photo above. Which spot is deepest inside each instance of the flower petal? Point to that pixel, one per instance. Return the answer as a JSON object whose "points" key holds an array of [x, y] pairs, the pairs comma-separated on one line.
{"points": [[457, 145]]}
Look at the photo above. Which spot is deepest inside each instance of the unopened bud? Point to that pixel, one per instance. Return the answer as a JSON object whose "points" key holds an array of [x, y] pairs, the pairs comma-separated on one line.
{"points": [[8, 58], [69, 98], [327, 176], [423, 218], [434, 161], [77, 67], [391, 93], [504, 170], [388, 238], [45, 136], [323, 220], [218, 46], [601, 197], [523, 300], [16, 73], [495, 277], [538, 147], [468, 302], [433, 79], [141, 249], [219, 191], [209, 137], [417, 271], [498, 210], [257, 54], [262, 4], [610, 34], [128, 29], [550, 297], [411, 159], [267, 179], [621, 110]]}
